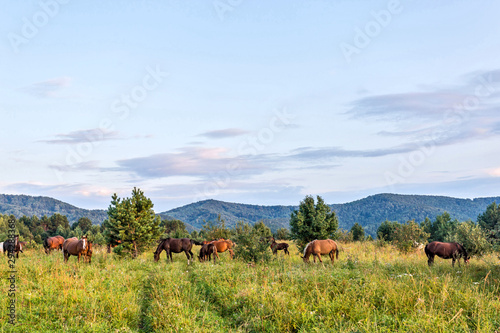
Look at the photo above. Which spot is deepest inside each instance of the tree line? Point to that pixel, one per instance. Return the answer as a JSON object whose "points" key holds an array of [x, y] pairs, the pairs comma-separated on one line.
{"points": [[133, 226]]}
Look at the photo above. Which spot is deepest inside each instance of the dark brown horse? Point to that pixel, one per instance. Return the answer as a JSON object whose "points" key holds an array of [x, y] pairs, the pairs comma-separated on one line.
{"points": [[206, 252], [175, 245], [53, 243], [319, 247], [278, 247], [76, 247], [453, 251], [13, 246]]}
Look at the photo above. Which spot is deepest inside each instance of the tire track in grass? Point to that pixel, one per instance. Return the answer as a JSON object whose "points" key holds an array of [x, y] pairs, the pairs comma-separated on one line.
{"points": [[146, 298]]}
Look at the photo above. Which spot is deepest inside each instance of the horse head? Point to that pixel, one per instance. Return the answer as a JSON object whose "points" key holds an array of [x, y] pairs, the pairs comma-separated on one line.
{"points": [[464, 254]]}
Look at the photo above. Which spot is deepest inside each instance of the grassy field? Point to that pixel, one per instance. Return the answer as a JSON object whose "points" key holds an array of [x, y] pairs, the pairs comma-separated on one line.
{"points": [[369, 289]]}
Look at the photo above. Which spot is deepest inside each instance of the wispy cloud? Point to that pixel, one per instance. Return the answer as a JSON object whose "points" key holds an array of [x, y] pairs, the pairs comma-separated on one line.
{"points": [[48, 88], [89, 135], [199, 162], [444, 116], [224, 133], [475, 94], [83, 166]]}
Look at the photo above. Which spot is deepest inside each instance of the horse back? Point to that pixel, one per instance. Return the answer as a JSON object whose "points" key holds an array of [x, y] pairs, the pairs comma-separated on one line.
{"points": [[324, 246], [443, 250], [70, 244]]}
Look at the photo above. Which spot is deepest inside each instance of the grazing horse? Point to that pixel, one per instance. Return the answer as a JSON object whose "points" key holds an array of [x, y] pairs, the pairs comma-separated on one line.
{"points": [[175, 245], [53, 243], [76, 247], [223, 246], [278, 246], [453, 251], [319, 247], [206, 252], [13, 246]]}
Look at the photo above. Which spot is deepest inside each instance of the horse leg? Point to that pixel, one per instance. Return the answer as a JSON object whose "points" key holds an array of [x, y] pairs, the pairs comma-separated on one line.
{"points": [[187, 255], [231, 253]]}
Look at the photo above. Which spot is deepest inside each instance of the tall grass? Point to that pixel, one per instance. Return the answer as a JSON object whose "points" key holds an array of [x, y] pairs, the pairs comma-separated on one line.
{"points": [[369, 289]]}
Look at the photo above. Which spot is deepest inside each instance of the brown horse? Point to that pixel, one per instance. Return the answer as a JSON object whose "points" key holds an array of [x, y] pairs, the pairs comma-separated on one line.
{"points": [[53, 243], [175, 245], [278, 246], [76, 247], [113, 245], [206, 252], [453, 251], [223, 246], [319, 247], [13, 246]]}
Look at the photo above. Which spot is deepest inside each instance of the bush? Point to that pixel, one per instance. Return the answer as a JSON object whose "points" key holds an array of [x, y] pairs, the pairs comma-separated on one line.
{"points": [[407, 235], [252, 242], [473, 238]]}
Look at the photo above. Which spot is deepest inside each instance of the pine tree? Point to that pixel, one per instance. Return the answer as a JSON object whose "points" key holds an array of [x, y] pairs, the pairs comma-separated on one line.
{"points": [[312, 221], [132, 223]]}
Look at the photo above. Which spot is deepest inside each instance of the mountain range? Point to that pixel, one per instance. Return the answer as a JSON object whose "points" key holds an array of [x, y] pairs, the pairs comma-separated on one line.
{"points": [[368, 212]]}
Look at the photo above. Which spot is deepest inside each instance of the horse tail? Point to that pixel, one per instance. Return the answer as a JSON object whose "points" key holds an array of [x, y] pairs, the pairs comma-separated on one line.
{"points": [[337, 252], [46, 243]]}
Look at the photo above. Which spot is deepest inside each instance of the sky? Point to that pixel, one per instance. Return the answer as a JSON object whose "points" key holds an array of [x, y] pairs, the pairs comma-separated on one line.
{"points": [[255, 102]]}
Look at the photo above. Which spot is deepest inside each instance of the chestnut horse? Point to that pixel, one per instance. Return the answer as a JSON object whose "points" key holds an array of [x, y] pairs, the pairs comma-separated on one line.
{"points": [[206, 252], [223, 246], [175, 245], [76, 247], [278, 246], [13, 246], [53, 243], [453, 251], [319, 247]]}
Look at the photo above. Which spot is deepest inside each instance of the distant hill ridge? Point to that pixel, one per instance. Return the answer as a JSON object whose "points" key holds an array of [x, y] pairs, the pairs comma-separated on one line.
{"points": [[19, 205], [369, 211]]}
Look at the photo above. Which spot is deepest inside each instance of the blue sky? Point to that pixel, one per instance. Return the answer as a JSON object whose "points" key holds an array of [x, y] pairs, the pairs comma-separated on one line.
{"points": [[255, 102]]}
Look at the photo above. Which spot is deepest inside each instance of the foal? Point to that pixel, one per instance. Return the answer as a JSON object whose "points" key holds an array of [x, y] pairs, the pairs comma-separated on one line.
{"points": [[278, 246]]}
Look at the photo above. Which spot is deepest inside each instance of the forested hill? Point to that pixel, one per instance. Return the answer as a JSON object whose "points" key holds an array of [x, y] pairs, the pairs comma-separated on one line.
{"points": [[369, 212], [196, 214], [19, 205], [375, 209]]}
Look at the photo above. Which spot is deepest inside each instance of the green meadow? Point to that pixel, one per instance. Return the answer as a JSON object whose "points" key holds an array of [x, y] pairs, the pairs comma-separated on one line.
{"points": [[369, 289]]}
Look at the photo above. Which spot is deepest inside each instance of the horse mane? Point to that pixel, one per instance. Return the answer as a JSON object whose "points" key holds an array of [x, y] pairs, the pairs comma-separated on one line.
{"points": [[463, 249], [160, 244], [305, 248]]}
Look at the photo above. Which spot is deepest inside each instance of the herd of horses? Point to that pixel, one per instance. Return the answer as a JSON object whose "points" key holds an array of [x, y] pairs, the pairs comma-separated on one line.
{"points": [[82, 248]]}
